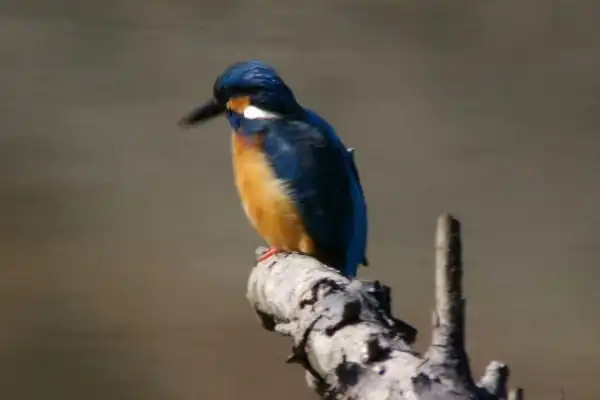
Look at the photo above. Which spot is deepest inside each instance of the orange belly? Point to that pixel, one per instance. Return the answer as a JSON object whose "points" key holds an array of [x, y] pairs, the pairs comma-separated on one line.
{"points": [[265, 198]]}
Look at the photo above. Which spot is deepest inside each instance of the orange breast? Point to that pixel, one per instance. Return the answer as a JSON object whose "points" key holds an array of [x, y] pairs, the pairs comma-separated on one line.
{"points": [[265, 198]]}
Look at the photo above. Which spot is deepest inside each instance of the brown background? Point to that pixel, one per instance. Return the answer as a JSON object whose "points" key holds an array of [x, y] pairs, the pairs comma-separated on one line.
{"points": [[124, 252]]}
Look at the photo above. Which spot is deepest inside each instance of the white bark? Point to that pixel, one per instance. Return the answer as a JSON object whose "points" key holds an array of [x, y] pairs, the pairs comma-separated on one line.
{"points": [[353, 348]]}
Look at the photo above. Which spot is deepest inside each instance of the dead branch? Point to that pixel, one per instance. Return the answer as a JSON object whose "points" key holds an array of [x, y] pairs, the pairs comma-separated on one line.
{"points": [[345, 337]]}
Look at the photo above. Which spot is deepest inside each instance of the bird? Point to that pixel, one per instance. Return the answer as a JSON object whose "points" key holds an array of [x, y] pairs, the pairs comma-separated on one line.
{"points": [[298, 183]]}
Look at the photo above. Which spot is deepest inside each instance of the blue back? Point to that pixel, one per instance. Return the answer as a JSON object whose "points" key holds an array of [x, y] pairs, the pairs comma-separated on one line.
{"points": [[308, 155], [357, 248]]}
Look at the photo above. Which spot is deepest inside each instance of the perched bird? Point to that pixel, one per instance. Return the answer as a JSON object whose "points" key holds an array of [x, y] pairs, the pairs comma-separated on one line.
{"points": [[298, 183]]}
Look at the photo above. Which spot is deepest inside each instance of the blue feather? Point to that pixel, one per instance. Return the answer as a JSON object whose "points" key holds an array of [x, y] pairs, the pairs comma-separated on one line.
{"points": [[324, 187], [359, 243]]}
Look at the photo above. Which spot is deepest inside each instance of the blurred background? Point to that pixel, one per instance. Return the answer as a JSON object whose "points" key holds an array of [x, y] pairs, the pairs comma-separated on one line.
{"points": [[124, 252]]}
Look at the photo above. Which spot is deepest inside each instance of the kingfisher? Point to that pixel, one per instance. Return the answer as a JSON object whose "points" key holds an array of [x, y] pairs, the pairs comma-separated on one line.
{"points": [[298, 183]]}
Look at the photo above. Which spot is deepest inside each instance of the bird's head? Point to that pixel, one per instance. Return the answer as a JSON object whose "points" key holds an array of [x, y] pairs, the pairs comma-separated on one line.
{"points": [[250, 90]]}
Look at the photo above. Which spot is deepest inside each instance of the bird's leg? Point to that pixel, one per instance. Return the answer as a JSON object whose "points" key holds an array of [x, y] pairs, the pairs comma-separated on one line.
{"points": [[269, 253]]}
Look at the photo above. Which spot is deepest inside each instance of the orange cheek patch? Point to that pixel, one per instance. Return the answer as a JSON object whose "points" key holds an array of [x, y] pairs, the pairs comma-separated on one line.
{"points": [[238, 104]]}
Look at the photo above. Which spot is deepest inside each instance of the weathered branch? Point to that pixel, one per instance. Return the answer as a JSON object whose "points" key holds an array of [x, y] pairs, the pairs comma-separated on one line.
{"points": [[447, 351], [351, 346]]}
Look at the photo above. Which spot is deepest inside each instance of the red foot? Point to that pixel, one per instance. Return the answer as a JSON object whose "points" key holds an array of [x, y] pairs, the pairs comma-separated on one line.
{"points": [[268, 254]]}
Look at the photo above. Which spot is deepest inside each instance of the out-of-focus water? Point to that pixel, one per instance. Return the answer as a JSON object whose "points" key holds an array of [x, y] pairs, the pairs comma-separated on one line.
{"points": [[124, 252]]}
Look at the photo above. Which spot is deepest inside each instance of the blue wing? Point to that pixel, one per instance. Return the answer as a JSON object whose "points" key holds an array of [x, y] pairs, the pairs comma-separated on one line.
{"points": [[325, 188], [360, 207]]}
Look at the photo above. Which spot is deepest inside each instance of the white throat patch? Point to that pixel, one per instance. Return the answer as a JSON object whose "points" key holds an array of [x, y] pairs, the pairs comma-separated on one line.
{"points": [[253, 112]]}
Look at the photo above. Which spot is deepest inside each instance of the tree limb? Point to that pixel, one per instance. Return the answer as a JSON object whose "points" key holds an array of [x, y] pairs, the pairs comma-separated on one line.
{"points": [[351, 346]]}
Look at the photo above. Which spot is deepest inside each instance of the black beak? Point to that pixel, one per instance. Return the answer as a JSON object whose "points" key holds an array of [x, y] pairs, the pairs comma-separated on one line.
{"points": [[208, 110]]}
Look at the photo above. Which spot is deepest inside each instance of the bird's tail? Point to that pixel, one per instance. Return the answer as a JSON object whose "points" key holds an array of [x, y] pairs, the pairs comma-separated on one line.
{"points": [[365, 261]]}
